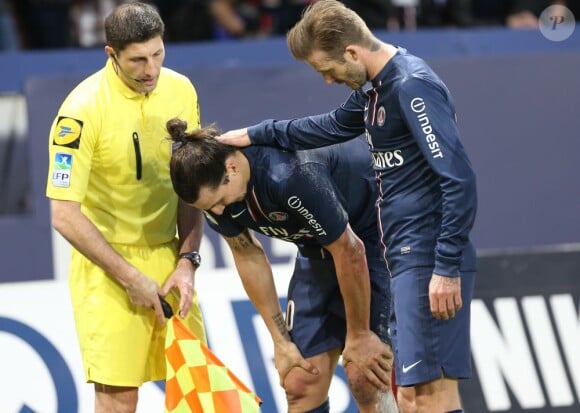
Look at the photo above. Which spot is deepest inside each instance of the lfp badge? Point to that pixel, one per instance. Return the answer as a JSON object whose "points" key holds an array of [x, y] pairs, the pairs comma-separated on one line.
{"points": [[62, 169]]}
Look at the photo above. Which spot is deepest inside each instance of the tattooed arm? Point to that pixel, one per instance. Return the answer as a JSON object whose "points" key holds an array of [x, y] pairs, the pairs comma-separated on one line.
{"points": [[256, 274]]}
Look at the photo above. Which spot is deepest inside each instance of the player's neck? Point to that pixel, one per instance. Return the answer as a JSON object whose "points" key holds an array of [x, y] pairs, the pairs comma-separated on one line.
{"points": [[376, 60], [243, 166]]}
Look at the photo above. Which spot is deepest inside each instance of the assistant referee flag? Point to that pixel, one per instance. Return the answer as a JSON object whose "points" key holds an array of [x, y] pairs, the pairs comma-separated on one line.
{"points": [[197, 381]]}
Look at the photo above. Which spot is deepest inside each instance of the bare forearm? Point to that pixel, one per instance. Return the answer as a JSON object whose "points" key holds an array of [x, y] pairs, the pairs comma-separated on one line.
{"points": [[259, 285], [355, 288], [256, 275], [84, 236], [189, 227], [354, 282]]}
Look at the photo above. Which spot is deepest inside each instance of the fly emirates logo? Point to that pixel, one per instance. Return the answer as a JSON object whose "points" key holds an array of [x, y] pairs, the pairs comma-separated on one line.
{"points": [[384, 159], [418, 106]]}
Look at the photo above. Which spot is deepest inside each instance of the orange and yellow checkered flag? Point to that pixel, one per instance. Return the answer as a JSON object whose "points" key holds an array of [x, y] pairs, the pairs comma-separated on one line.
{"points": [[197, 381]]}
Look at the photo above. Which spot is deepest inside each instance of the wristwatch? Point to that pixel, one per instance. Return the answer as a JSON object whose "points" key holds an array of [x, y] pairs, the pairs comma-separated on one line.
{"points": [[193, 257]]}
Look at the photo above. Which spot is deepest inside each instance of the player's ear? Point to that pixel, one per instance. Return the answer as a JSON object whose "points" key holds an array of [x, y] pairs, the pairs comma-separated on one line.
{"points": [[231, 166], [110, 51], [351, 52]]}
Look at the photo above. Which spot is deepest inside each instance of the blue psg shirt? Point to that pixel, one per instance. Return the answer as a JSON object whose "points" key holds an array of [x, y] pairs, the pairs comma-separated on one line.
{"points": [[428, 197], [305, 197]]}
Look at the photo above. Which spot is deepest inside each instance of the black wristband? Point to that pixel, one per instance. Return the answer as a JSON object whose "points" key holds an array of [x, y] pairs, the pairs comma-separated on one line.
{"points": [[193, 257]]}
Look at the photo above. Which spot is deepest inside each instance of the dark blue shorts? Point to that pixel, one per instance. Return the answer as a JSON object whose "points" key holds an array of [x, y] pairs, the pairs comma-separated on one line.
{"points": [[425, 347], [315, 311]]}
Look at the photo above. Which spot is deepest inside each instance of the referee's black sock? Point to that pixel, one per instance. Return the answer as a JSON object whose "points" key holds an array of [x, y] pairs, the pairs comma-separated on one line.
{"points": [[323, 408]]}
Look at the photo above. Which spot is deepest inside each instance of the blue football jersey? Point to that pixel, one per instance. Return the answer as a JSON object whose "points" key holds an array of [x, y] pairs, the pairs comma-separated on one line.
{"points": [[305, 197]]}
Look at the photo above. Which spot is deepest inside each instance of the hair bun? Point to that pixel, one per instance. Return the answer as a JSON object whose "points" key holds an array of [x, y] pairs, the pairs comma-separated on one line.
{"points": [[176, 128]]}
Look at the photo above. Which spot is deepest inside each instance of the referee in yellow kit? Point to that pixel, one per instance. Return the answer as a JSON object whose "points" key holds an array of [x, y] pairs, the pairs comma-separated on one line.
{"points": [[112, 199]]}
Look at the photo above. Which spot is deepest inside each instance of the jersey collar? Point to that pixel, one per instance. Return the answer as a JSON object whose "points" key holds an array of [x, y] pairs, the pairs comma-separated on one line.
{"points": [[380, 77]]}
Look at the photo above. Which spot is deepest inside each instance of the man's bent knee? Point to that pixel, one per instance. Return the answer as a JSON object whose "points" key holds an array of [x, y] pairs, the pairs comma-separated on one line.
{"points": [[368, 397], [305, 391], [406, 399], [361, 388], [436, 396]]}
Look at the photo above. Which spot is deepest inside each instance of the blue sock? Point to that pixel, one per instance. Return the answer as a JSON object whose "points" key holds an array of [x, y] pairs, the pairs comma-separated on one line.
{"points": [[323, 408], [456, 411]]}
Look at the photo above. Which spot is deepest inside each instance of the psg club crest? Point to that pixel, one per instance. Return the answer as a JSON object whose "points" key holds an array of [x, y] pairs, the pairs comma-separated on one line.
{"points": [[381, 115]]}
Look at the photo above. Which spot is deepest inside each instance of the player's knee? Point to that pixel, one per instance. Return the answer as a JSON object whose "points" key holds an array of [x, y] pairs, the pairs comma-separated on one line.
{"points": [[302, 388], [295, 387], [406, 399], [361, 388], [117, 399]]}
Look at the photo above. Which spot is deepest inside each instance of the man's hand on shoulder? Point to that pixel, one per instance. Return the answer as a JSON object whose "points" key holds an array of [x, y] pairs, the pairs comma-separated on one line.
{"points": [[237, 137]]}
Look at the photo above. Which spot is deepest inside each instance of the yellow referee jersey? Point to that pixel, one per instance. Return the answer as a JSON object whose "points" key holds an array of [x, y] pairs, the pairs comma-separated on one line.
{"points": [[109, 151]]}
